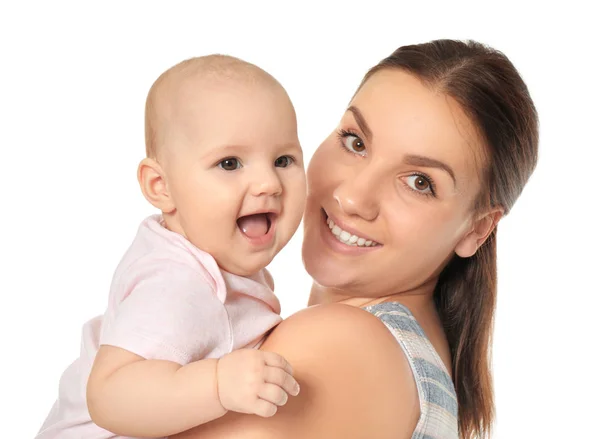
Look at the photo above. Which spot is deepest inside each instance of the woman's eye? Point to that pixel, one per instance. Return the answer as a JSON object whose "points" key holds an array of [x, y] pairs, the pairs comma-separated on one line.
{"points": [[420, 184], [354, 144], [284, 161], [230, 164]]}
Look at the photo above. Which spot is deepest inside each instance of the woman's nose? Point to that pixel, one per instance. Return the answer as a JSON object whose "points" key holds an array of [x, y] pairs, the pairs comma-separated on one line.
{"points": [[357, 196]]}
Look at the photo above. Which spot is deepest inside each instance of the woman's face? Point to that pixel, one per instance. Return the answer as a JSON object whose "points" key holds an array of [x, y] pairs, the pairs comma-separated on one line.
{"points": [[391, 191]]}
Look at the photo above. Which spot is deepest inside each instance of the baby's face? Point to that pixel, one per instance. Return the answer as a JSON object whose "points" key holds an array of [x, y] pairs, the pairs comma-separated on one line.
{"points": [[235, 172]]}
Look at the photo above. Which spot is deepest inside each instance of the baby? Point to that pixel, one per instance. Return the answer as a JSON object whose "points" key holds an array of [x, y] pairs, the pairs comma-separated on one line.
{"points": [[191, 298]]}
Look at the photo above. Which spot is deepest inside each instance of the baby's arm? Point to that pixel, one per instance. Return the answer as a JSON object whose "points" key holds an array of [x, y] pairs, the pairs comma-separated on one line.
{"points": [[171, 317], [131, 396]]}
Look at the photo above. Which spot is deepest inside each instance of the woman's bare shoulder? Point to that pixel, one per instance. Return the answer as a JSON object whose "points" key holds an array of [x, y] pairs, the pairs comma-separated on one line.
{"points": [[355, 381], [342, 329]]}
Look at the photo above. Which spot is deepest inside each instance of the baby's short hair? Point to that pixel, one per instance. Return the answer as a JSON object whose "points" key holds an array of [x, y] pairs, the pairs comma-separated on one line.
{"points": [[213, 68]]}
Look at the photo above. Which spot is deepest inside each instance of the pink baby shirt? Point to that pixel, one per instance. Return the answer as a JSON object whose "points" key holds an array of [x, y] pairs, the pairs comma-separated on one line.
{"points": [[168, 301]]}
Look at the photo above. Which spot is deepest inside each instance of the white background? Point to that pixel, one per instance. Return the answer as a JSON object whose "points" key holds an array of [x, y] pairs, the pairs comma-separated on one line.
{"points": [[72, 89]]}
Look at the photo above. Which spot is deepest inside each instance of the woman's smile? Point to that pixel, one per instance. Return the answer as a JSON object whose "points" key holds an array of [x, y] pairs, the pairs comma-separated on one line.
{"points": [[343, 238]]}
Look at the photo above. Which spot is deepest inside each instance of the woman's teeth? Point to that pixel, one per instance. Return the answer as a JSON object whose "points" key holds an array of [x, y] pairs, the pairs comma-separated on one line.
{"points": [[347, 238]]}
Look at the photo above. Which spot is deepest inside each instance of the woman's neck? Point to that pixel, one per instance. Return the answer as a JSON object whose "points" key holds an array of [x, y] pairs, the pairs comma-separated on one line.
{"points": [[415, 297]]}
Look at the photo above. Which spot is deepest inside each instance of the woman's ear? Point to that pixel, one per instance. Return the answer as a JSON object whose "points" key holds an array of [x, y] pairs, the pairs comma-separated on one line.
{"points": [[153, 183], [481, 229]]}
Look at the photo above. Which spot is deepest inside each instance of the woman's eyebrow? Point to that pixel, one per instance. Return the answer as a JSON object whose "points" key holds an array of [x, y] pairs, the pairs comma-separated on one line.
{"points": [[426, 162], [411, 159], [360, 120]]}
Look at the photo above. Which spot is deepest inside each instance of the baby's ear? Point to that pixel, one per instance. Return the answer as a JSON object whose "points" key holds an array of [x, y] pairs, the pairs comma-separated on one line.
{"points": [[481, 229], [151, 178]]}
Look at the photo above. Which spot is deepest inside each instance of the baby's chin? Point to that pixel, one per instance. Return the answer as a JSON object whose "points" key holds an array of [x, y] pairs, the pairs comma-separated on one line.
{"points": [[246, 266]]}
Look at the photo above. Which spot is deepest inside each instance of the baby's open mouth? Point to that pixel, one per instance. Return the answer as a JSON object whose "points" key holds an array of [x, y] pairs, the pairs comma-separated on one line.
{"points": [[256, 225]]}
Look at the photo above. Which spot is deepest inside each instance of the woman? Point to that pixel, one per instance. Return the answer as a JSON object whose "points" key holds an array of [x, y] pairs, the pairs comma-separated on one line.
{"points": [[400, 229]]}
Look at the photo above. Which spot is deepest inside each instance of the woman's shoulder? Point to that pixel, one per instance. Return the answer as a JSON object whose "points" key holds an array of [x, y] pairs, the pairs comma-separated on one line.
{"points": [[338, 326], [354, 377], [335, 325], [355, 381], [339, 329]]}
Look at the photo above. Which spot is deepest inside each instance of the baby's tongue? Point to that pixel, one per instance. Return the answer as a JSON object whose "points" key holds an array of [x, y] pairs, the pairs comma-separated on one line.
{"points": [[253, 226]]}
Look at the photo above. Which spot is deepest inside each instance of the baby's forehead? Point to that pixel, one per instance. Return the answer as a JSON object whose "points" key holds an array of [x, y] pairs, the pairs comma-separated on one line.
{"points": [[195, 82], [201, 83], [200, 98]]}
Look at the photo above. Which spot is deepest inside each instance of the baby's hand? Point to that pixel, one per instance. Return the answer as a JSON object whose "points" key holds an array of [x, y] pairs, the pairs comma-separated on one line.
{"points": [[256, 382]]}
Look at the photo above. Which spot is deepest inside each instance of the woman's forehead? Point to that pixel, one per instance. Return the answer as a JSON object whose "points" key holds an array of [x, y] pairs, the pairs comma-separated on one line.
{"points": [[405, 116]]}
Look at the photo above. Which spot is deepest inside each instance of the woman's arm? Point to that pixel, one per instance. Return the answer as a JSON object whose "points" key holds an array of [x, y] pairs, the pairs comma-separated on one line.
{"points": [[355, 382]]}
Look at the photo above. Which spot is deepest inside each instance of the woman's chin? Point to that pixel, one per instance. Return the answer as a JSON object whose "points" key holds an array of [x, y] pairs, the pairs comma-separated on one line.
{"points": [[328, 272], [327, 266]]}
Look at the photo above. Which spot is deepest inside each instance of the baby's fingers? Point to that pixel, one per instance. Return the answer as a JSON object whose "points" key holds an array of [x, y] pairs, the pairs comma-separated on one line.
{"points": [[275, 360], [273, 393], [264, 408], [281, 378]]}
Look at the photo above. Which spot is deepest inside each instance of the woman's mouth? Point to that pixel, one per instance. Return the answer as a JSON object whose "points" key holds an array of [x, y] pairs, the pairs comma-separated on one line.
{"points": [[347, 237]]}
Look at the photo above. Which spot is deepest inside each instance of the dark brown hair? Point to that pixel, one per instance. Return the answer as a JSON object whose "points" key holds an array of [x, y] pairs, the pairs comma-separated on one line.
{"points": [[492, 93]]}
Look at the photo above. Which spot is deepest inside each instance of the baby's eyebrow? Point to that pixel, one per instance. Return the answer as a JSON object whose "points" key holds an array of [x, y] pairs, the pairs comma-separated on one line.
{"points": [[224, 150], [427, 162], [289, 146], [240, 149], [360, 120]]}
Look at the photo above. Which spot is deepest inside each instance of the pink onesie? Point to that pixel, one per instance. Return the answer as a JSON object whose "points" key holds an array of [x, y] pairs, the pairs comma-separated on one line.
{"points": [[168, 301]]}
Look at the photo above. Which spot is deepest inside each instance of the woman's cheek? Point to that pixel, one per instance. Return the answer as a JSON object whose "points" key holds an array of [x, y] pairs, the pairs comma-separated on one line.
{"points": [[315, 165]]}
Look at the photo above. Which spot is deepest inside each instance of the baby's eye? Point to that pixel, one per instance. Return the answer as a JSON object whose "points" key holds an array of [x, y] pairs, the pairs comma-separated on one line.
{"points": [[284, 161], [230, 164]]}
